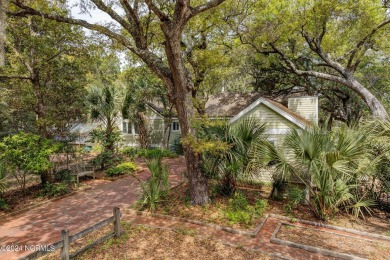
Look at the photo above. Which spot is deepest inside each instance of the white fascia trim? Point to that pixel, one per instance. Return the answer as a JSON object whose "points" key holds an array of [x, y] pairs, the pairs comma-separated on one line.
{"points": [[155, 111], [272, 107]]}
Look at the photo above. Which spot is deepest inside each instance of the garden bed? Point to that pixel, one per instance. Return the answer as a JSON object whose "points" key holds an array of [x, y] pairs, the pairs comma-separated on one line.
{"points": [[334, 242], [178, 204]]}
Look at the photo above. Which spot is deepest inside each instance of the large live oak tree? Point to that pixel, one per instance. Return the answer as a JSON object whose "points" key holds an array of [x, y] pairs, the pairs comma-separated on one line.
{"points": [[328, 40], [135, 19]]}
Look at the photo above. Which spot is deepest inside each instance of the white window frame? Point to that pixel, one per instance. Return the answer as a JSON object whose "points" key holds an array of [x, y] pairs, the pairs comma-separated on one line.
{"points": [[173, 126], [130, 128]]}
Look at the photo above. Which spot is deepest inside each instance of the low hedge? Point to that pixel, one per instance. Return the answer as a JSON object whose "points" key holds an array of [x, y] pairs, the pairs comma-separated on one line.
{"points": [[121, 169]]}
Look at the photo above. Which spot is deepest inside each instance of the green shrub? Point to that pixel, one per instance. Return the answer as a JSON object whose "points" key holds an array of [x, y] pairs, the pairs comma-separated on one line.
{"points": [[294, 196], [238, 202], [121, 169], [3, 204], [55, 189], [260, 206], [131, 152], [239, 210], [240, 216], [65, 176], [155, 153], [106, 159]]}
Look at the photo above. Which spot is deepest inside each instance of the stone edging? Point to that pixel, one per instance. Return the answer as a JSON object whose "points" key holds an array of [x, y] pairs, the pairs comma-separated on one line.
{"points": [[200, 223], [313, 249], [317, 224]]}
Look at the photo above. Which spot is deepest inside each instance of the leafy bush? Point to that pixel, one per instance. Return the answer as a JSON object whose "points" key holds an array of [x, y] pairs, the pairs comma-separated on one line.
{"points": [[239, 202], [177, 146], [294, 196], [26, 153], [239, 210], [65, 176], [131, 152], [240, 216], [55, 189], [3, 204], [155, 153], [3, 174], [121, 169], [156, 187], [106, 159], [260, 206]]}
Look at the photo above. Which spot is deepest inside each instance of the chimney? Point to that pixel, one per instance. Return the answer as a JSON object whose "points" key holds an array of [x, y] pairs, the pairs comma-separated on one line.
{"points": [[306, 107]]}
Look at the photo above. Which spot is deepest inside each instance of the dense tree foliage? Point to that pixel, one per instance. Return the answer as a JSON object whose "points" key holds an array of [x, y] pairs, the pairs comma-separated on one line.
{"points": [[39, 51]]}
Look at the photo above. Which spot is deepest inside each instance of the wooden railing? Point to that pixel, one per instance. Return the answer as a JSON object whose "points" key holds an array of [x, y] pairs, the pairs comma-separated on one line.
{"points": [[66, 239]]}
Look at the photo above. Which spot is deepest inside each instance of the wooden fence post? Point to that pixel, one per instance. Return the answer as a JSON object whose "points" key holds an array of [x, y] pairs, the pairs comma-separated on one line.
{"points": [[117, 222], [65, 247]]}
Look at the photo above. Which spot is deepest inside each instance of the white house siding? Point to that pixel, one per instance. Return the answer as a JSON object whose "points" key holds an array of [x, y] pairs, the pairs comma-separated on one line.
{"points": [[307, 107], [277, 128], [277, 125]]}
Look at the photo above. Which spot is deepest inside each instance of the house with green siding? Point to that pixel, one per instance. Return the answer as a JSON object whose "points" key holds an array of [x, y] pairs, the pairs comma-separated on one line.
{"points": [[299, 113]]}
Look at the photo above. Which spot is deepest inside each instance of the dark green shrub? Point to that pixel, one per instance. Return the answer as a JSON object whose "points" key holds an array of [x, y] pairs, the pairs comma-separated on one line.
{"points": [[177, 146], [238, 202], [155, 153], [121, 169], [294, 196], [106, 159], [64, 176], [3, 204], [55, 189], [131, 152]]}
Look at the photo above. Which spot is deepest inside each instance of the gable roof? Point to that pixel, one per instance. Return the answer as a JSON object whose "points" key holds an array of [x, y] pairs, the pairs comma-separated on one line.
{"points": [[236, 105]]}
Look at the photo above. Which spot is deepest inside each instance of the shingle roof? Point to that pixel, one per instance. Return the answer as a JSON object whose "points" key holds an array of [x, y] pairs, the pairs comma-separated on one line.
{"points": [[230, 104]]}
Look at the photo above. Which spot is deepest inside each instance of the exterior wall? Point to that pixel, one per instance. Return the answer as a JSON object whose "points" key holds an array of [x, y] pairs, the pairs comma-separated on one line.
{"points": [[307, 107], [277, 125], [155, 127], [173, 134]]}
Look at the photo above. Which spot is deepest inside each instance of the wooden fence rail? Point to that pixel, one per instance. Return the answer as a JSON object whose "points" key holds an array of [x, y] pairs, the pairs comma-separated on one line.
{"points": [[66, 239]]}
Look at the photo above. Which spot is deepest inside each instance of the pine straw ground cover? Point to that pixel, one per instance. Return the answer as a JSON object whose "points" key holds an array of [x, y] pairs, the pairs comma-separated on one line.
{"points": [[342, 244], [140, 242], [178, 204]]}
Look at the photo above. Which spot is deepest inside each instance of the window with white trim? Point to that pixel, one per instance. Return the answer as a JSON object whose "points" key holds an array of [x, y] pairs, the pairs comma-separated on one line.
{"points": [[125, 127], [175, 126], [130, 128]]}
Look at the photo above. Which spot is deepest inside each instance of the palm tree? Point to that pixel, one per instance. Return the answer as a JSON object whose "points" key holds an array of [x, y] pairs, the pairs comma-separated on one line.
{"points": [[328, 163], [141, 91], [242, 140], [103, 106]]}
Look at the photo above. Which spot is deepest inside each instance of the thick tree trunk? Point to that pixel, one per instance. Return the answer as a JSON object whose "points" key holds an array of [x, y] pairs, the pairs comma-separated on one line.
{"points": [[143, 132], [197, 181], [181, 88]]}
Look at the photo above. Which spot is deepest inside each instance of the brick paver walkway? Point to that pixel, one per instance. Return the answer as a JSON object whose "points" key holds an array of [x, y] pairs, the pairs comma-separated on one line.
{"points": [[42, 225]]}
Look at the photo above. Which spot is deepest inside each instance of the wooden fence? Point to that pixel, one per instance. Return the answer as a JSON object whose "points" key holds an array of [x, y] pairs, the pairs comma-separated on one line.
{"points": [[66, 239]]}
